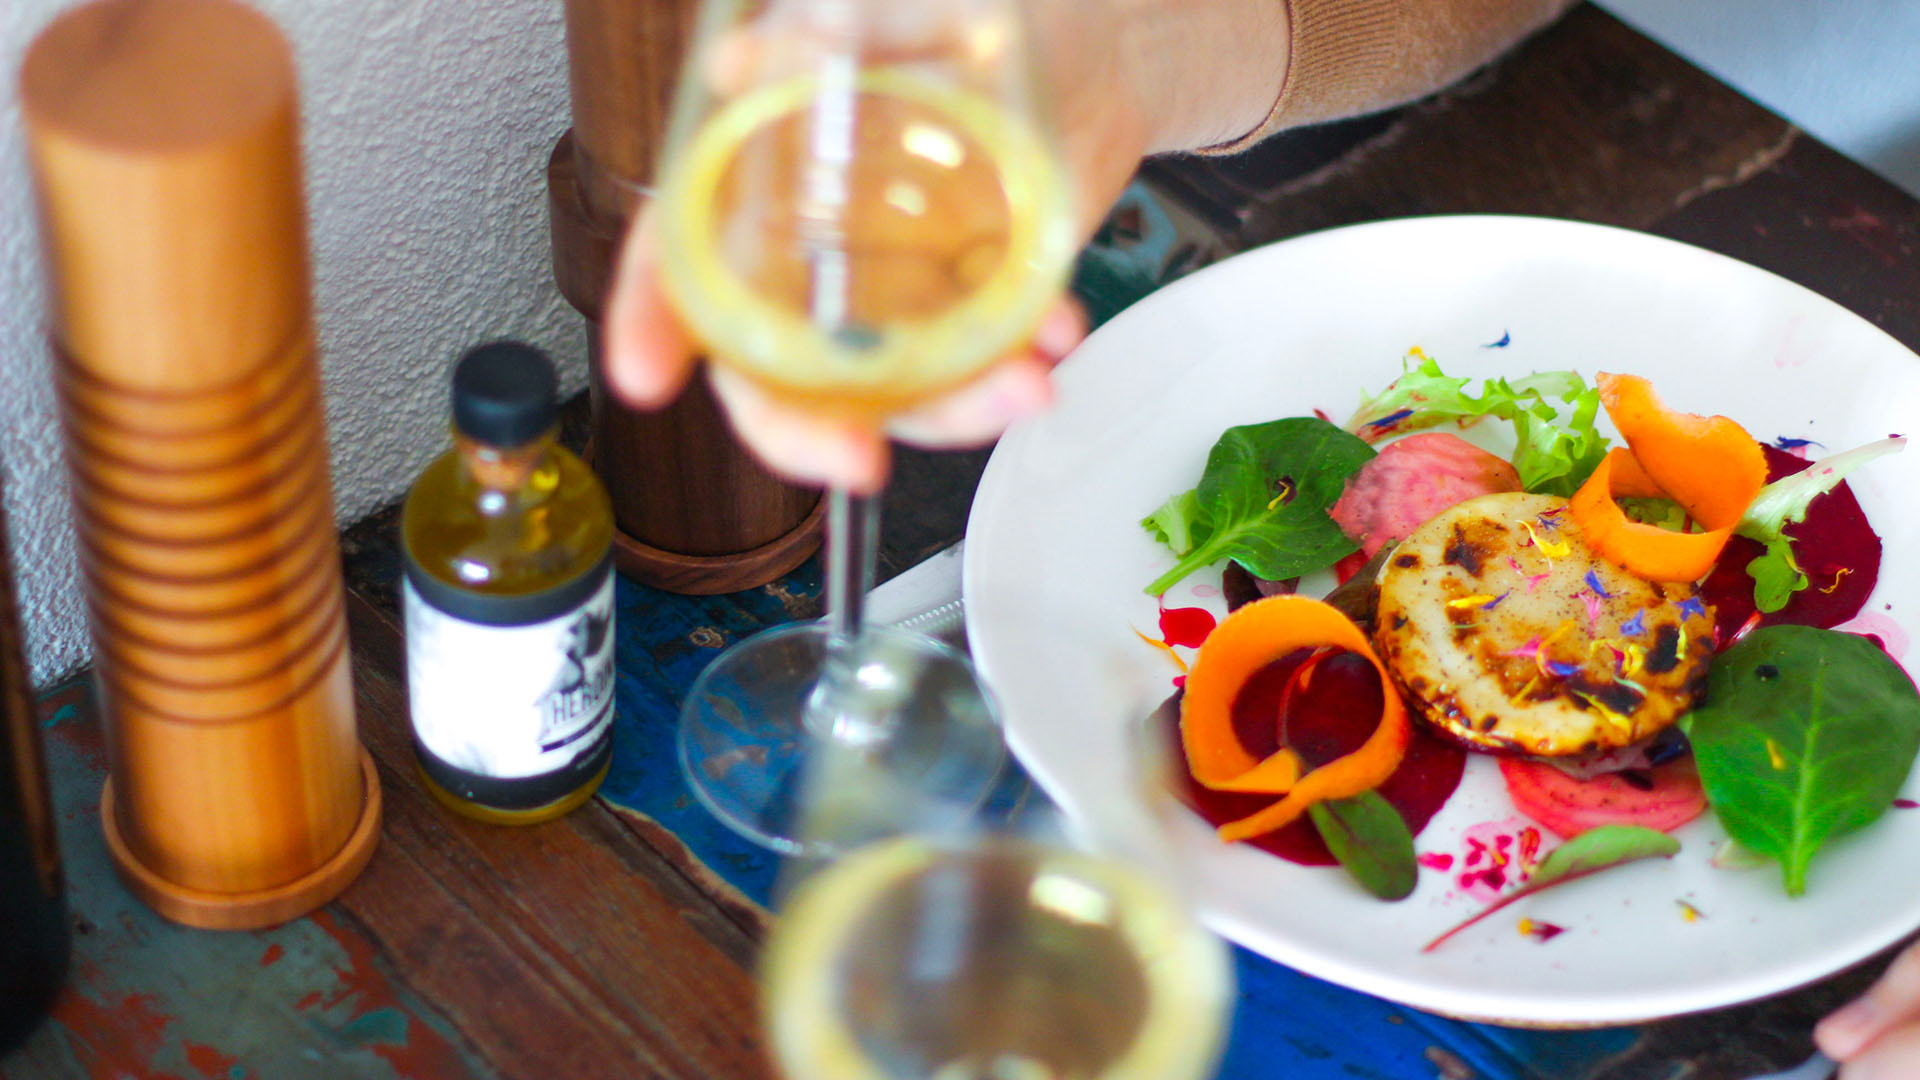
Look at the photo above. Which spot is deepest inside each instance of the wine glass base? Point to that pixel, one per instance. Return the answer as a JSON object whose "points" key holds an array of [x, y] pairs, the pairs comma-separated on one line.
{"points": [[912, 738]]}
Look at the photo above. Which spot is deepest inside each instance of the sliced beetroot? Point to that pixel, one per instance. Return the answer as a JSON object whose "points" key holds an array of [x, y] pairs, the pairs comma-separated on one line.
{"points": [[1350, 565], [1331, 715], [1413, 479], [1836, 547], [1663, 797]]}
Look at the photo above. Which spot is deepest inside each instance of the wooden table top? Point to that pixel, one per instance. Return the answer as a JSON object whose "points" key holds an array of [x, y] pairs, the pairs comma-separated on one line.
{"points": [[600, 945]]}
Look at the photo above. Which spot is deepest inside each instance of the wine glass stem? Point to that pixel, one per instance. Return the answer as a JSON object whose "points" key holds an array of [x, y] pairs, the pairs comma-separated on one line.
{"points": [[834, 712], [852, 522]]}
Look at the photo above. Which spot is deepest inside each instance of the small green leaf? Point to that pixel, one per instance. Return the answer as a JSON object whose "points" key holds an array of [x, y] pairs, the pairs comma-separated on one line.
{"points": [[1806, 734], [1265, 496], [1592, 851], [1786, 499], [1371, 840], [1180, 523], [1776, 577]]}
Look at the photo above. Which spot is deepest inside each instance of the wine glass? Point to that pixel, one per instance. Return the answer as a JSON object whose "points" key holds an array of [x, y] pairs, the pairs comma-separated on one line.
{"points": [[999, 949], [859, 209]]}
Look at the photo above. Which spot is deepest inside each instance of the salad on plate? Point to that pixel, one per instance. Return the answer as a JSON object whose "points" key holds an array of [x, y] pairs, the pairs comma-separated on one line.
{"points": [[1641, 630]]}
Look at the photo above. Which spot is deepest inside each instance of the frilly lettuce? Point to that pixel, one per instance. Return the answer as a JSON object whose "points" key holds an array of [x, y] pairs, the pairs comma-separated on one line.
{"points": [[1552, 414], [1776, 576]]}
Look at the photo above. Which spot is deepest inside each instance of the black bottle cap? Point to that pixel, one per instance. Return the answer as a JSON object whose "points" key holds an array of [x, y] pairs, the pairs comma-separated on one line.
{"points": [[504, 393]]}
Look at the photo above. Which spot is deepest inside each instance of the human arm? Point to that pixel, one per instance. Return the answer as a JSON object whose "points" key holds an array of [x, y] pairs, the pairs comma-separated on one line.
{"points": [[1127, 78]]}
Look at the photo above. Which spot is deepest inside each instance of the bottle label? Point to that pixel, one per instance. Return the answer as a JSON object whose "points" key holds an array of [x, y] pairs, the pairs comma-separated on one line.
{"points": [[512, 715]]}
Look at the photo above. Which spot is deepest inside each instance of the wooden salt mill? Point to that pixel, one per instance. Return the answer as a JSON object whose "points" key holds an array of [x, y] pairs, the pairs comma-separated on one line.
{"points": [[163, 138], [696, 513]]}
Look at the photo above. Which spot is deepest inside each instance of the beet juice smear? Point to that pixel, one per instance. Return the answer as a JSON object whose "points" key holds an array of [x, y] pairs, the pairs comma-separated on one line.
{"points": [[1835, 546], [1329, 717]]}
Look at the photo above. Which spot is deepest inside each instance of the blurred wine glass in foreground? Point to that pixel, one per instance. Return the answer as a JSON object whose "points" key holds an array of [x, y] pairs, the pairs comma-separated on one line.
{"points": [[859, 211], [996, 952]]}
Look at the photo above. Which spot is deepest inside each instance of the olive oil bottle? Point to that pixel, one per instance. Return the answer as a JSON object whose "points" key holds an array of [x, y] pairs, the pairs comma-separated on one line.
{"points": [[507, 540]]}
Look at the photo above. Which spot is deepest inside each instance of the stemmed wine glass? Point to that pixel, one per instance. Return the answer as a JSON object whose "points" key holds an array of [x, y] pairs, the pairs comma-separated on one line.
{"points": [[997, 947], [860, 209]]}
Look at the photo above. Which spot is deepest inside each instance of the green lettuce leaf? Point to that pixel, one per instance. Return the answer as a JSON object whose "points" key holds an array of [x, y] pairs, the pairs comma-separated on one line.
{"points": [[1805, 735], [1180, 523], [1370, 838], [1552, 414], [1263, 500], [1786, 500], [1776, 577], [1776, 574]]}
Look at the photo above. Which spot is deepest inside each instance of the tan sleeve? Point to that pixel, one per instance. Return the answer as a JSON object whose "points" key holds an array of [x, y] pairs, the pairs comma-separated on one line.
{"points": [[1348, 57]]}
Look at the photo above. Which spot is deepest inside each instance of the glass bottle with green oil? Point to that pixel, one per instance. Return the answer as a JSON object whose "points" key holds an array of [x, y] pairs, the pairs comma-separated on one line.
{"points": [[507, 540]]}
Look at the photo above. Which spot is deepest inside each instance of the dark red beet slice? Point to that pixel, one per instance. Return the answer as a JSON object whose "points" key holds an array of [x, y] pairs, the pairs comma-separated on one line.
{"points": [[1835, 537], [1330, 717]]}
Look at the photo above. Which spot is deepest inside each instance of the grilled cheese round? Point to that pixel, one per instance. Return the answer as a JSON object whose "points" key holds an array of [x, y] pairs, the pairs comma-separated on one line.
{"points": [[1505, 632]]}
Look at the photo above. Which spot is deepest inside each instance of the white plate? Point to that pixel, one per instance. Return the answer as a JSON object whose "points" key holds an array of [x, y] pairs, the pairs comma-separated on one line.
{"points": [[1055, 562]]}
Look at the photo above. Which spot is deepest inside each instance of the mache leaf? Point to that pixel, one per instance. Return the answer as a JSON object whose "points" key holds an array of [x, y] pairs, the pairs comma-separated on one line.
{"points": [[1589, 853], [1371, 840], [1265, 494], [1806, 735]]}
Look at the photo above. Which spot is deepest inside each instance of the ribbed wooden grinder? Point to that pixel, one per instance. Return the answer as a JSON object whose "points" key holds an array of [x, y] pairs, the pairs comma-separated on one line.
{"points": [[696, 512], [163, 139]]}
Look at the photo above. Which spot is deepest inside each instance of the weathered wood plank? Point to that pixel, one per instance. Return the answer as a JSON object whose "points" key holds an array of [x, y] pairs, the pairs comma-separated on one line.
{"points": [[569, 948]]}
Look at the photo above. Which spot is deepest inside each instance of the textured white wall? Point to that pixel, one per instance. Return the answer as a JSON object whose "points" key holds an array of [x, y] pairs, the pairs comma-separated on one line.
{"points": [[427, 127]]}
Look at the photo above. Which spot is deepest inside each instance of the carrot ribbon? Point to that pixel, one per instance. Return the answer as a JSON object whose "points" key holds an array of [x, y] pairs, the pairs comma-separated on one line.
{"points": [[1255, 635], [1707, 464]]}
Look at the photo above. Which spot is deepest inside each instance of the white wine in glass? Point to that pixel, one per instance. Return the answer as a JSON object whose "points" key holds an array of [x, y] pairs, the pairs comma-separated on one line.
{"points": [[860, 208], [991, 959]]}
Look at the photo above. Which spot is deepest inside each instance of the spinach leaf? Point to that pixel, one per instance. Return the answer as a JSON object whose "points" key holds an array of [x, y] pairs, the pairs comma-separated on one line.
{"points": [[1806, 734], [1265, 494], [1597, 849], [1371, 840]]}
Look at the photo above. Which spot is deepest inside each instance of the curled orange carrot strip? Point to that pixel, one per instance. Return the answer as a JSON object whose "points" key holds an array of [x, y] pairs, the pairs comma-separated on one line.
{"points": [[1707, 464], [1249, 639], [1648, 550]]}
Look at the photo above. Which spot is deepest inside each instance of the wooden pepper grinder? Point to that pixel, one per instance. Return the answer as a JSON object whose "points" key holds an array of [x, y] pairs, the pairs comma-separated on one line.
{"points": [[696, 513], [163, 137]]}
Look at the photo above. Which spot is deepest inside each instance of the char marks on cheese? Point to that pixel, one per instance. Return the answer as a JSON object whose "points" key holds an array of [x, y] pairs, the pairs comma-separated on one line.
{"points": [[1507, 633]]}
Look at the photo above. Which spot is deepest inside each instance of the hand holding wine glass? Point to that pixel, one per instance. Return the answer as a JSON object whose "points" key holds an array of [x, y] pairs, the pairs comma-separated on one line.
{"points": [[860, 209], [1120, 80]]}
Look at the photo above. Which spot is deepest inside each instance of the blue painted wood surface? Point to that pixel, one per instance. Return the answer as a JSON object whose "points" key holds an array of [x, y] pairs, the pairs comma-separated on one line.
{"points": [[1285, 1022]]}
